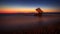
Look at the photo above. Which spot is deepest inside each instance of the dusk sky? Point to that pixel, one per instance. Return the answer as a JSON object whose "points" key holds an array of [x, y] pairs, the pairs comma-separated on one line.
{"points": [[27, 6]]}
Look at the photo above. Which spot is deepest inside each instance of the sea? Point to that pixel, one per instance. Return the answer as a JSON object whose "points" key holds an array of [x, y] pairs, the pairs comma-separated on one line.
{"points": [[29, 24]]}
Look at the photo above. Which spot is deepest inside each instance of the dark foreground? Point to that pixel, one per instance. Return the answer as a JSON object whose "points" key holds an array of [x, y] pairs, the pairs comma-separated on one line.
{"points": [[29, 24]]}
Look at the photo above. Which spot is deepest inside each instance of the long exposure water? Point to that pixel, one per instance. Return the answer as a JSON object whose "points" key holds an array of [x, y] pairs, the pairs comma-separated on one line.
{"points": [[31, 24]]}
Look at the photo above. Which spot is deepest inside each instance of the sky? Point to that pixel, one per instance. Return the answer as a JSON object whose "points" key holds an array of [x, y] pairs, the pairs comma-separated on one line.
{"points": [[29, 6]]}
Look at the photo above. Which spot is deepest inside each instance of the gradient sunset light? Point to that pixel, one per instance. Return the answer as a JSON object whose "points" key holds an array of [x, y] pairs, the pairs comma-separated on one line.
{"points": [[29, 6]]}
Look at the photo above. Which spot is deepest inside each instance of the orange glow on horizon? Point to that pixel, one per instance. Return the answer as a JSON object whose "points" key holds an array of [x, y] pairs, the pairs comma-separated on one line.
{"points": [[24, 10]]}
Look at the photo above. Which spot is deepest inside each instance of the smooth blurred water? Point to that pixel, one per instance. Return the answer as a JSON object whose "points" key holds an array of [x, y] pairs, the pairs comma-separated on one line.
{"points": [[19, 23]]}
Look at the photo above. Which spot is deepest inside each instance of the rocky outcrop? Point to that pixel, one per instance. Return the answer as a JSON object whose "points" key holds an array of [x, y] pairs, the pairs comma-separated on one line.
{"points": [[39, 12]]}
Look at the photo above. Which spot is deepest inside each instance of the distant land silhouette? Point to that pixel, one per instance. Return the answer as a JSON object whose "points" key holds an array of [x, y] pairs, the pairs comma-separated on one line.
{"points": [[31, 14]]}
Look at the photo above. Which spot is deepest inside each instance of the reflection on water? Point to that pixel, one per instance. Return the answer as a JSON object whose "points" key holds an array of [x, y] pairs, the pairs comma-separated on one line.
{"points": [[31, 23]]}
